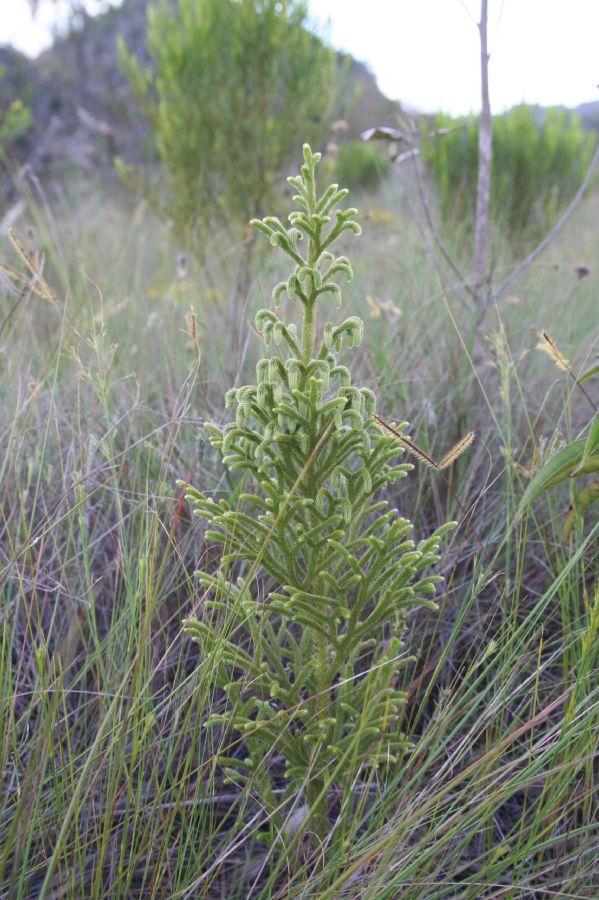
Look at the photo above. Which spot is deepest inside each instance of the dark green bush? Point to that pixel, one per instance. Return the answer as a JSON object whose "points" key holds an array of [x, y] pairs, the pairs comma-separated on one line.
{"points": [[536, 168], [15, 119], [361, 166]]}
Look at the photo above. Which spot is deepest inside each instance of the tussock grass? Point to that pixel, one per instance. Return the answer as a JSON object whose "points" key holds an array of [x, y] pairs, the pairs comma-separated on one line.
{"points": [[108, 783]]}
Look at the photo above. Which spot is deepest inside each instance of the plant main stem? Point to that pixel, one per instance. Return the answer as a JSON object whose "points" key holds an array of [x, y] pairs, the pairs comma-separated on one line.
{"points": [[308, 343], [308, 331]]}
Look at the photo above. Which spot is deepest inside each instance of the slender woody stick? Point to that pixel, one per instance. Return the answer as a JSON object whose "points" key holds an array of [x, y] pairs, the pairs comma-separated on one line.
{"points": [[485, 131]]}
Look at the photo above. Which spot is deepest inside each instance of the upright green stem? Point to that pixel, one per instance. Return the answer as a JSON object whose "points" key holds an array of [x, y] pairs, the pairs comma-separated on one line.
{"points": [[308, 341], [308, 331], [310, 307]]}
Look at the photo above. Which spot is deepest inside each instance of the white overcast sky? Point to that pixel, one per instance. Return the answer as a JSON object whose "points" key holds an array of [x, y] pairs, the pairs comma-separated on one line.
{"points": [[425, 52]]}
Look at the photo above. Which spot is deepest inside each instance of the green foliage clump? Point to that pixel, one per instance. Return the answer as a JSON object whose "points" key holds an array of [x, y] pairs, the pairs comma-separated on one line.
{"points": [[15, 119], [360, 165], [233, 84], [302, 626], [536, 168]]}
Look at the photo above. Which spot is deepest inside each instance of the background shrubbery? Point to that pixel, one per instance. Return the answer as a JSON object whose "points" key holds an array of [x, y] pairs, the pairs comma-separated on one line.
{"points": [[232, 89], [15, 118], [539, 159], [361, 166]]}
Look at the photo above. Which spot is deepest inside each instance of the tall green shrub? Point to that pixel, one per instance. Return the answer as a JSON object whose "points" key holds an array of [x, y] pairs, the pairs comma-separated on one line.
{"points": [[302, 626], [536, 169], [232, 87]]}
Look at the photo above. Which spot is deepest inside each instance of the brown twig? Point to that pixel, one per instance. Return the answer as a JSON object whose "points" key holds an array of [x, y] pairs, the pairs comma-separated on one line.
{"points": [[485, 147]]}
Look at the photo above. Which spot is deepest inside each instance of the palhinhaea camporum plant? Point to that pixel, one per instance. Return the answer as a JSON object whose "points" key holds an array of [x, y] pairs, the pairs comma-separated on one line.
{"points": [[306, 642]]}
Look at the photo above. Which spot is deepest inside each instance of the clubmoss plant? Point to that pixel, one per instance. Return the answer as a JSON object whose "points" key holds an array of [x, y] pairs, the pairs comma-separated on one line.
{"points": [[306, 641]]}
